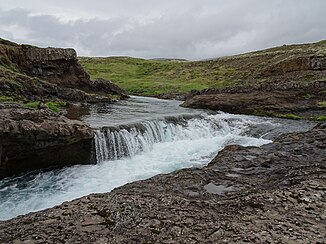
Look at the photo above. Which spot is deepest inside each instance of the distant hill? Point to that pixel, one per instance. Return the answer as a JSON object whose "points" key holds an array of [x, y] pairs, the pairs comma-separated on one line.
{"points": [[301, 63]]}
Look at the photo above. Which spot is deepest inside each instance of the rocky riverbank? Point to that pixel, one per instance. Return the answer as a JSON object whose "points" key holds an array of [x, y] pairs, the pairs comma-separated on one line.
{"points": [[275, 193], [39, 138], [32, 136], [270, 99]]}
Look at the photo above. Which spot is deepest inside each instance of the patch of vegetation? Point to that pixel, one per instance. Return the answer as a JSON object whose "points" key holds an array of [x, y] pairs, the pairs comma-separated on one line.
{"points": [[289, 116], [321, 104], [321, 118], [54, 106], [148, 77], [114, 97], [278, 115], [308, 96], [32, 105], [4, 98]]}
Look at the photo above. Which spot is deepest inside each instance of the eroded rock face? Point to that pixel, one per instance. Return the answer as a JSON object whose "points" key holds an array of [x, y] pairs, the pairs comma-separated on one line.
{"points": [[296, 64], [275, 193], [33, 139], [106, 86], [288, 97], [58, 66]]}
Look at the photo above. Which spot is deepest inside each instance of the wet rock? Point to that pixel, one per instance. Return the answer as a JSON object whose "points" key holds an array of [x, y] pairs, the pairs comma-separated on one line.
{"points": [[33, 139], [176, 207]]}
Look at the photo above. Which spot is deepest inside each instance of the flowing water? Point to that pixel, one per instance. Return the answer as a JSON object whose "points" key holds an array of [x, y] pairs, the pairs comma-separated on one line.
{"points": [[137, 139]]}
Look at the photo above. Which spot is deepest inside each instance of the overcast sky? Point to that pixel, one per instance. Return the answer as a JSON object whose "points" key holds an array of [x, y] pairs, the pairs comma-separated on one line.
{"points": [[191, 29]]}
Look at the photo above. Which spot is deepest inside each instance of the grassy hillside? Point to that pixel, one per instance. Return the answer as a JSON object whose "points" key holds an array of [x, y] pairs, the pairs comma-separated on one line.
{"points": [[153, 77]]}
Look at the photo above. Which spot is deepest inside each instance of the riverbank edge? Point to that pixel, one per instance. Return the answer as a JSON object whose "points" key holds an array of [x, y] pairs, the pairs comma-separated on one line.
{"points": [[33, 139], [271, 193]]}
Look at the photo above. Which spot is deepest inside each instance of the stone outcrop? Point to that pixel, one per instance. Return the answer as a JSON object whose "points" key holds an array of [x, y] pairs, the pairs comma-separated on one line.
{"points": [[34, 139], [275, 193], [21, 86], [57, 65], [39, 67], [106, 86], [288, 97], [302, 63]]}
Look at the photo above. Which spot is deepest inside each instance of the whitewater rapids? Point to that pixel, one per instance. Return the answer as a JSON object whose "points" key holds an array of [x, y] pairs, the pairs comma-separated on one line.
{"points": [[132, 151]]}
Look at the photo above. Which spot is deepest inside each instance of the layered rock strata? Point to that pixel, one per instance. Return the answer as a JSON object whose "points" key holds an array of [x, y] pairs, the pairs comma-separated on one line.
{"points": [[288, 97], [35, 73], [34, 139]]}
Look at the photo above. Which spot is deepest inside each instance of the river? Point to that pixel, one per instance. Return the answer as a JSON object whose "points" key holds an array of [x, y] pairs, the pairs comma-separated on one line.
{"points": [[136, 139]]}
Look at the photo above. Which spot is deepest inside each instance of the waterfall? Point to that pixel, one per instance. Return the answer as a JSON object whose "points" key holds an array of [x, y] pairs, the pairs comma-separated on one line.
{"points": [[112, 143], [135, 140]]}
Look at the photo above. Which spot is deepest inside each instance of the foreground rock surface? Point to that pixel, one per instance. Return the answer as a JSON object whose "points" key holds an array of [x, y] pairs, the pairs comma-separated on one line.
{"points": [[33, 139], [272, 194]]}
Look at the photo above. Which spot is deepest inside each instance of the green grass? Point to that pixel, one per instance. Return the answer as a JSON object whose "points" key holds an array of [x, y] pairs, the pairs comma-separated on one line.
{"points": [[32, 105], [321, 104], [153, 77], [278, 115], [321, 118], [54, 106], [147, 77], [289, 116], [4, 98]]}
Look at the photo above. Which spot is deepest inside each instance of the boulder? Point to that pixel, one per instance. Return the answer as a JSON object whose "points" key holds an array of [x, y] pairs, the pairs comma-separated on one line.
{"points": [[108, 87]]}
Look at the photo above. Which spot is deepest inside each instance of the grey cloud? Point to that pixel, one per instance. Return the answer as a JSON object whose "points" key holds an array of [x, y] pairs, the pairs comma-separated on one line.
{"points": [[184, 29]]}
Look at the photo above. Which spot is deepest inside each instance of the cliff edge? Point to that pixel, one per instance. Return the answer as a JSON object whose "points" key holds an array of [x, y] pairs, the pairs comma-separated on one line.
{"points": [[33, 73]]}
